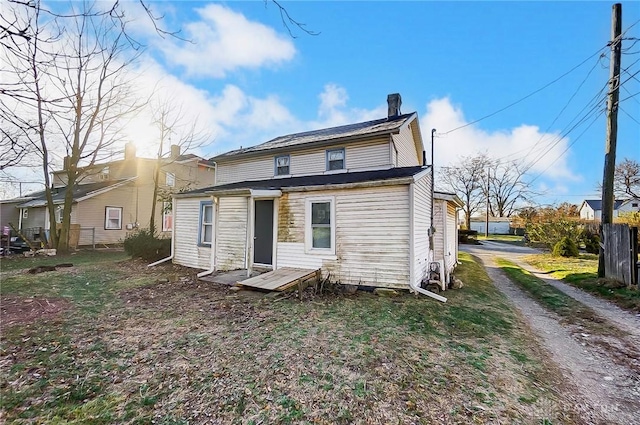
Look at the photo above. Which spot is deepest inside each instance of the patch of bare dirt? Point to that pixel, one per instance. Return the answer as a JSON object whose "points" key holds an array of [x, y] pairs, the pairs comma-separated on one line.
{"points": [[20, 310]]}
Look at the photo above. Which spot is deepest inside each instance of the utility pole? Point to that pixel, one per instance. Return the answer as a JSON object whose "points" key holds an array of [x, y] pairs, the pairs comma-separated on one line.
{"points": [[486, 220], [612, 127]]}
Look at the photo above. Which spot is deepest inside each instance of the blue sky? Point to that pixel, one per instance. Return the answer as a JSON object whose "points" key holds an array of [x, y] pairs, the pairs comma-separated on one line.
{"points": [[246, 80]]}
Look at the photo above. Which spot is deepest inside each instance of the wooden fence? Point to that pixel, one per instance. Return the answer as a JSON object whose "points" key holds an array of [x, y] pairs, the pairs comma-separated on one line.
{"points": [[620, 253]]}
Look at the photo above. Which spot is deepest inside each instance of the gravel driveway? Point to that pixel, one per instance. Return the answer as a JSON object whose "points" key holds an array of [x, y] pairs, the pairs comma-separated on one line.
{"points": [[607, 390]]}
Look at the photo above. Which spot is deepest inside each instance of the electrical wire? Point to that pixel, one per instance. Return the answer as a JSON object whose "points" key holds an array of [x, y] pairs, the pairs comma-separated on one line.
{"points": [[536, 145], [598, 52], [628, 114], [567, 148]]}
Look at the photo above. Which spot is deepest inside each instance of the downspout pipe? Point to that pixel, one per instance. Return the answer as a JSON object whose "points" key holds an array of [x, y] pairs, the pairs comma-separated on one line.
{"points": [[427, 293]]}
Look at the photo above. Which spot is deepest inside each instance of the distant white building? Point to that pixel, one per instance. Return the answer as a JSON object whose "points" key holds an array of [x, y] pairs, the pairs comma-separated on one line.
{"points": [[497, 225]]}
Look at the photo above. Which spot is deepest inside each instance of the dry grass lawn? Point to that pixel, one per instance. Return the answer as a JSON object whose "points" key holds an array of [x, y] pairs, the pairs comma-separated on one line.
{"points": [[136, 345]]}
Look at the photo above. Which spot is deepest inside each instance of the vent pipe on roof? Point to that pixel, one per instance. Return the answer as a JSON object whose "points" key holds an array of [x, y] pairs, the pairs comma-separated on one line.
{"points": [[394, 101]]}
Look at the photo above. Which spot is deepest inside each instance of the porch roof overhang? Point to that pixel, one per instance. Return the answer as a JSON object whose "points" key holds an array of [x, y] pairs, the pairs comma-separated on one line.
{"points": [[384, 177]]}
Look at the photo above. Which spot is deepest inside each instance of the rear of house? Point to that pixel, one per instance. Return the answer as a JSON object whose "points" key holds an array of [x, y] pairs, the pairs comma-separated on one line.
{"points": [[354, 201], [366, 228]]}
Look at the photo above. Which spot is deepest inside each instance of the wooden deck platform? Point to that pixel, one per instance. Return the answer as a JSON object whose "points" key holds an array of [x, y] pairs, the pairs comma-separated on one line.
{"points": [[282, 279]]}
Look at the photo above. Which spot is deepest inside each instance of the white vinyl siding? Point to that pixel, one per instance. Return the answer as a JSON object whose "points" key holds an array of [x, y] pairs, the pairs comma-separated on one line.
{"points": [[408, 156], [254, 168], [186, 249], [232, 232], [368, 154], [421, 223], [91, 212], [372, 235], [439, 222]]}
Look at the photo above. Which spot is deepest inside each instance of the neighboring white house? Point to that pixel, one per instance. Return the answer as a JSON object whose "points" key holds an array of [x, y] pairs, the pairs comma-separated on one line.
{"points": [[497, 225], [591, 209], [353, 201]]}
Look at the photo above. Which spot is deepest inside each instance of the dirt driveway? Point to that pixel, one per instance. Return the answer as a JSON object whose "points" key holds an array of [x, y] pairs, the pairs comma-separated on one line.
{"points": [[605, 370]]}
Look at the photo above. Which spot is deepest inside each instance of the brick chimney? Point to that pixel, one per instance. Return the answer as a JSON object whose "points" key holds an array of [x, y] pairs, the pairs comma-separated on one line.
{"points": [[175, 151], [129, 151], [394, 101]]}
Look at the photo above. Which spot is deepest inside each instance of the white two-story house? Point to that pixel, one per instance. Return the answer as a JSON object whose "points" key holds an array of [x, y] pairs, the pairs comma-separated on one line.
{"points": [[354, 201]]}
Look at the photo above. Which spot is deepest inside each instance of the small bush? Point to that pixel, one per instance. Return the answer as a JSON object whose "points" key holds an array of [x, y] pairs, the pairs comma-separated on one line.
{"points": [[591, 242], [143, 244], [566, 247]]}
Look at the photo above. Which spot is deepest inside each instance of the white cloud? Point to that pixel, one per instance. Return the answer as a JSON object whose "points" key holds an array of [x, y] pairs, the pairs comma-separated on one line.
{"points": [[543, 152], [333, 110], [224, 40]]}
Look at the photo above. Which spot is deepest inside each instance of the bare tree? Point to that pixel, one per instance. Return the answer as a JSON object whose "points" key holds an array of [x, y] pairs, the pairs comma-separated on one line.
{"points": [[175, 129], [465, 179], [506, 187], [626, 180], [69, 79]]}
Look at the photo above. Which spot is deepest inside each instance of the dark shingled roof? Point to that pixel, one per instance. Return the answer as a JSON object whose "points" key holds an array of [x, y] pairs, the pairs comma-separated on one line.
{"points": [[316, 180], [596, 204], [384, 125], [39, 199]]}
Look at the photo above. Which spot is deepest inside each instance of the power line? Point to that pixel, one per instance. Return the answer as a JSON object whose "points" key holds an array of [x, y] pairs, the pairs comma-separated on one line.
{"points": [[529, 95], [568, 147], [535, 145], [628, 114]]}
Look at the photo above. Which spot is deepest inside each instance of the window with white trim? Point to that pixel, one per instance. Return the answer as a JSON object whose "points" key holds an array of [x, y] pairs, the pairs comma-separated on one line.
{"points": [[58, 213], [320, 225], [170, 179], [104, 173], [113, 218], [167, 217], [25, 213], [282, 165], [335, 159], [205, 233]]}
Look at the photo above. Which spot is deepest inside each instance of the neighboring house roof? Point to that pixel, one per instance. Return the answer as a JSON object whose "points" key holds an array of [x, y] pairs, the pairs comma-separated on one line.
{"points": [[80, 192], [596, 204], [379, 126], [313, 180]]}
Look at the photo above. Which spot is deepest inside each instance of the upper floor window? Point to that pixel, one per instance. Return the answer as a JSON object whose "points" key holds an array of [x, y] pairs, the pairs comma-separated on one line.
{"points": [[113, 218], [282, 165], [335, 159], [104, 173], [170, 179], [58, 214]]}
